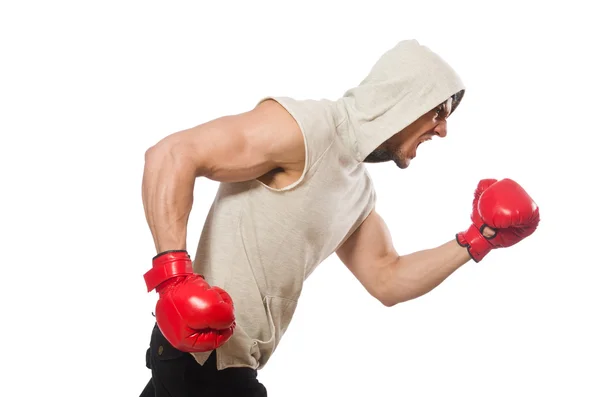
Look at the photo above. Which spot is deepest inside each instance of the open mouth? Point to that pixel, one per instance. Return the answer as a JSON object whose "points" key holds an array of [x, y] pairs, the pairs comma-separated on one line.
{"points": [[424, 139]]}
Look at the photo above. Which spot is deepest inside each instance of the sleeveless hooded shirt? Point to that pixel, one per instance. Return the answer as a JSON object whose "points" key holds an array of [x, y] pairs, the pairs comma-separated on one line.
{"points": [[260, 244]]}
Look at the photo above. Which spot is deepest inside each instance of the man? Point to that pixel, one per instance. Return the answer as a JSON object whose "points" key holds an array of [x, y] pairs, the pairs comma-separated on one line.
{"points": [[294, 190]]}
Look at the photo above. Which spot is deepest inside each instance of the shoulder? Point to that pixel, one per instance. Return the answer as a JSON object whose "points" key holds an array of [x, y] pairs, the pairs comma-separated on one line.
{"points": [[281, 135], [316, 122], [306, 113], [273, 112]]}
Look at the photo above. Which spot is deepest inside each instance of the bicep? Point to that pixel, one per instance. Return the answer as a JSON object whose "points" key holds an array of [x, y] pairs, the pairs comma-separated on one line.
{"points": [[368, 251], [240, 147]]}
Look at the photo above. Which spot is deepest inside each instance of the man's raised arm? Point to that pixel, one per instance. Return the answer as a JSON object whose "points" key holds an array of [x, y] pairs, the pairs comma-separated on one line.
{"points": [[503, 214]]}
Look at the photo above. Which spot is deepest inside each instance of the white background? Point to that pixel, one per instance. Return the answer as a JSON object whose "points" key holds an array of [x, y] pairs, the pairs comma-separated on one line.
{"points": [[87, 87]]}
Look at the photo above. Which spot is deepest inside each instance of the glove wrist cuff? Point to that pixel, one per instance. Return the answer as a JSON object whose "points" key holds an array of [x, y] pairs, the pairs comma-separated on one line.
{"points": [[475, 242], [167, 265], [165, 255]]}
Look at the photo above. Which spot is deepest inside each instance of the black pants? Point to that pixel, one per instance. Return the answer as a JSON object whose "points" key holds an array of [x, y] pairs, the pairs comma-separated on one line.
{"points": [[177, 374]]}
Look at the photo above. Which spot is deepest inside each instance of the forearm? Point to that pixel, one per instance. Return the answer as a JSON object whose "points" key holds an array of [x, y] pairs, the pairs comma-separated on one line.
{"points": [[167, 194], [413, 275]]}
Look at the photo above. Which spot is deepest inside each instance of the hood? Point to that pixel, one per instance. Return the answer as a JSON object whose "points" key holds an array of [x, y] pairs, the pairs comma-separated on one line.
{"points": [[406, 82]]}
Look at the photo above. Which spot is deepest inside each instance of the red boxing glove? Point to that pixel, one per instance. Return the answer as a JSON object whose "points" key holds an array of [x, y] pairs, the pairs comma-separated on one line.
{"points": [[192, 315], [505, 207]]}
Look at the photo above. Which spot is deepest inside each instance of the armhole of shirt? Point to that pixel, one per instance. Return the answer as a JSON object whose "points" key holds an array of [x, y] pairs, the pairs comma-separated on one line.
{"points": [[369, 208], [309, 155]]}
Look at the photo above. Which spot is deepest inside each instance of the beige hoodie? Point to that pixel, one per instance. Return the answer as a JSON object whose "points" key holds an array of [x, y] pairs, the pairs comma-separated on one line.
{"points": [[260, 244], [406, 82]]}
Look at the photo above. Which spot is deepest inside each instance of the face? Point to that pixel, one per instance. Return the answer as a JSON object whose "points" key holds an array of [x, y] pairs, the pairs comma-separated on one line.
{"points": [[401, 148]]}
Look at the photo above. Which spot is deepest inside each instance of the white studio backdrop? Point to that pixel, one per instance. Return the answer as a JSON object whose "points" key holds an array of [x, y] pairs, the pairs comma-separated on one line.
{"points": [[87, 87]]}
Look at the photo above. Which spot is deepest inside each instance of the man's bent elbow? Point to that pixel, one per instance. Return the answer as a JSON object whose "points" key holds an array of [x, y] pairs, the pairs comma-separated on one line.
{"points": [[383, 289], [392, 298], [391, 301], [385, 298], [169, 154], [388, 302], [155, 153], [160, 151]]}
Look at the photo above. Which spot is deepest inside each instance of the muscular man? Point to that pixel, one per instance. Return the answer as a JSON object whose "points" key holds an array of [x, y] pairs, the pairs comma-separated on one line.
{"points": [[294, 189]]}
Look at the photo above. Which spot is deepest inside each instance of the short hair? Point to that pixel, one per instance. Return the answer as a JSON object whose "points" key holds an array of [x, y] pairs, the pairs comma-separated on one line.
{"points": [[456, 98]]}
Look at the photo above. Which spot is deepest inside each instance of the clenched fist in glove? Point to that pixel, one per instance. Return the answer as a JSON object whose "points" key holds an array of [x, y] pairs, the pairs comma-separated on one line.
{"points": [[506, 208], [192, 315]]}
